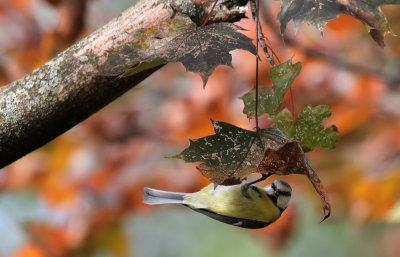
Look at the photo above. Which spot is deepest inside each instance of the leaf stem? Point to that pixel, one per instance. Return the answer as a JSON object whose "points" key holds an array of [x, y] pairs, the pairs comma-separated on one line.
{"points": [[257, 20], [292, 104], [209, 15]]}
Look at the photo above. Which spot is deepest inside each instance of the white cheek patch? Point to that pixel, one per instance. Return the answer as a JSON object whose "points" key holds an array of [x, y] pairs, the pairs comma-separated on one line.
{"points": [[283, 202], [269, 190]]}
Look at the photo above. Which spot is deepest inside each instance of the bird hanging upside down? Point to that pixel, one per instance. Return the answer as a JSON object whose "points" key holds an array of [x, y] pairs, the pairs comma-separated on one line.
{"points": [[254, 207]]}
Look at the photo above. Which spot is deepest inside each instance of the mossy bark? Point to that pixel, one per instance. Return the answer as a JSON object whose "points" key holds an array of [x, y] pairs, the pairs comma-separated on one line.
{"points": [[81, 80]]}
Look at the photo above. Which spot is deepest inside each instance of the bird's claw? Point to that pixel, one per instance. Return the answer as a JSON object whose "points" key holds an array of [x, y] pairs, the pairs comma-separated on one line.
{"points": [[245, 188]]}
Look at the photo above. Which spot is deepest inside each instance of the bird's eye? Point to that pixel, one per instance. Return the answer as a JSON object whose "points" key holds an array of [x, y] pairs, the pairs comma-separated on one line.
{"points": [[285, 193], [273, 186]]}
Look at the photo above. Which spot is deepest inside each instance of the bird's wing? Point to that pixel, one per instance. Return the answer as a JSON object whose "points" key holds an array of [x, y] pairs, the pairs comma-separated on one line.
{"points": [[244, 223]]}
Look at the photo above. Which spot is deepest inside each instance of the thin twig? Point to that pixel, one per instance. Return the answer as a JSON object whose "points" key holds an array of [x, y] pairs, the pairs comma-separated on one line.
{"points": [[257, 20], [292, 104], [269, 46], [209, 14], [259, 33]]}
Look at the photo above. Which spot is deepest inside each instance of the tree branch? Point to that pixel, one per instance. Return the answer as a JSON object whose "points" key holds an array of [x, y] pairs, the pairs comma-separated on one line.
{"points": [[84, 78]]}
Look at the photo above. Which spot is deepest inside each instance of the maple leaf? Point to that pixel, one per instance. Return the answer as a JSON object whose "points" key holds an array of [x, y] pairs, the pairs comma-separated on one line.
{"points": [[202, 49], [319, 12], [271, 98], [233, 153], [307, 128]]}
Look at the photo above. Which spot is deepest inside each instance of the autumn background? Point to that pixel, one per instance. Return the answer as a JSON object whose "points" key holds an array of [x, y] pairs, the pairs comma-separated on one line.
{"points": [[80, 195]]}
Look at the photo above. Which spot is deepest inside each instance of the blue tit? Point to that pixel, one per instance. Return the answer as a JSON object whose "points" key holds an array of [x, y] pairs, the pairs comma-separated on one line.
{"points": [[254, 207]]}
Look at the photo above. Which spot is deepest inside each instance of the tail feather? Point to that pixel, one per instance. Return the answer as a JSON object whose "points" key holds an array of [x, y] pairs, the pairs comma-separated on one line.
{"points": [[154, 196]]}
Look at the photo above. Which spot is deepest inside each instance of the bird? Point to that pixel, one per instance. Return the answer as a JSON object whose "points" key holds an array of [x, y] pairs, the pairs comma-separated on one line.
{"points": [[245, 205]]}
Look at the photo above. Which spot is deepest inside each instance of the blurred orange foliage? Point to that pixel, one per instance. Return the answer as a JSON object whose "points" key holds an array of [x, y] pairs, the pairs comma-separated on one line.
{"points": [[358, 106], [30, 250], [94, 174]]}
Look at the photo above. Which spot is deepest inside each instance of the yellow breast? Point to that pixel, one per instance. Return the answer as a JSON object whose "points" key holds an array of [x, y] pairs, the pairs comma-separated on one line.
{"points": [[229, 201]]}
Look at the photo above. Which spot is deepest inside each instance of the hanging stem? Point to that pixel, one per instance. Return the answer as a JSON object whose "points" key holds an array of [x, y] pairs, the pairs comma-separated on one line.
{"points": [[292, 104], [257, 19]]}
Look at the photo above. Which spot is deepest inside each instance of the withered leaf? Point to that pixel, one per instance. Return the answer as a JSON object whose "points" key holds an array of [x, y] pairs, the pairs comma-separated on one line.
{"points": [[370, 13], [291, 159], [319, 12]]}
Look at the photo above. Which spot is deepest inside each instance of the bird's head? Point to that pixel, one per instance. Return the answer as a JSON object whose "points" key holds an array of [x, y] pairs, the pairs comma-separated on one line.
{"points": [[280, 192]]}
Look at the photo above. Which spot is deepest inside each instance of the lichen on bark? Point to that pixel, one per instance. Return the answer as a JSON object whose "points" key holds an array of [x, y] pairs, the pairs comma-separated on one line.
{"points": [[73, 86]]}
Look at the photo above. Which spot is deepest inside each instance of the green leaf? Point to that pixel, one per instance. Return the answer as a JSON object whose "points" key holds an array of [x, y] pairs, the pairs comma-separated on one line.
{"points": [[308, 128], [232, 153], [202, 49], [271, 98], [283, 75], [319, 12]]}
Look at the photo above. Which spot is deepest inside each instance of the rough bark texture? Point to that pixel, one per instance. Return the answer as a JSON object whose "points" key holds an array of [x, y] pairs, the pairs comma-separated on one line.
{"points": [[71, 87]]}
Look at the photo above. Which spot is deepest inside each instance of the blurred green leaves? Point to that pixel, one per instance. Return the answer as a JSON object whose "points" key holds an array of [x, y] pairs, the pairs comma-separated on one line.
{"points": [[179, 233], [175, 232], [17, 209]]}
